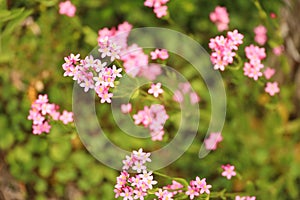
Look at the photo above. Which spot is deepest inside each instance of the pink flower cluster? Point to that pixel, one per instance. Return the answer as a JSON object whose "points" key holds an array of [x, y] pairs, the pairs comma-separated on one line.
{"points": [[67, 8], [174, 188], [255, 55], [220, 17], [197, 187], [135, 187], [245, 198], [228, 171], [136, 63], [159, 7], [137, 161], [212, 141], [135, 60], [154, 119], [91, 73], [260, 34], [185, 88], [164, 194], [117, 35], [42, 111], [169, 191], [223, 49], [159, 54]]}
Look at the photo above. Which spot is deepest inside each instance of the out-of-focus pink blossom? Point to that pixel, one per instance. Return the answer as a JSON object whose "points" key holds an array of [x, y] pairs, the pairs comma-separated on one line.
{"points": [[272, 88], [212, 141], [220, 17], [126, 108], [260, 34], [269, 72], [67, 8], [278, 50]]}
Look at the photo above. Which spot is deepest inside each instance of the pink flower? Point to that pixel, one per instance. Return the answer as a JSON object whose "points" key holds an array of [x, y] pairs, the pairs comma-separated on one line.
{"points": [[260, 34], [178, 97], [155, 89], [212, 141], [127, 193], [55, 115], [151, 71], [205, 189], [228, 171], [159, 7], [162, 54], [164, 194], [194, 98], [220, 17], [67, 8], [126, 108], [255, 53], [197, 187], [235, 38], [135, 60], [41, 128], [273, 15], [160, 11], [184, 87], [192, 192], [278, 50], [154, 119], [269, 72], [272, 88], [253, 71], [157, 136], [149, 3], [66, 117], [106, 97], [42, 99], [154, 54]]}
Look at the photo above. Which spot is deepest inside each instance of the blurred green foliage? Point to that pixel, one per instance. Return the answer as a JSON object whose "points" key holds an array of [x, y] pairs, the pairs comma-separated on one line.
{"points": [[260, 137]]}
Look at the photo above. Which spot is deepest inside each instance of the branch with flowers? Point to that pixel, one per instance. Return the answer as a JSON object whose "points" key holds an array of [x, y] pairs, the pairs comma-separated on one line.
{"points": [[137, 182], [114, 58]]}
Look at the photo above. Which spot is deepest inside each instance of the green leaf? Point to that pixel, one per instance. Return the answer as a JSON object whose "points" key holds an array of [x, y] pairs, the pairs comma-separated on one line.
{"points": [[90, 36], [6, 140], [60, 151], [14, 22], [41, 185], [95, 174], [6, 15], [81, 159], [45, 167], [84, 184], [64, 175]]}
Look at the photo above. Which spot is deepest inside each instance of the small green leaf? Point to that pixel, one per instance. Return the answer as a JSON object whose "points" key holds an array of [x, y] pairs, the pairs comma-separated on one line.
{"points": [[41, 185]]}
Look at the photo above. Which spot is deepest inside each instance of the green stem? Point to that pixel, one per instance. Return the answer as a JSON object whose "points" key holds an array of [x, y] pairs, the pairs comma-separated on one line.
{"points": [[262, 14], [238, 64]]}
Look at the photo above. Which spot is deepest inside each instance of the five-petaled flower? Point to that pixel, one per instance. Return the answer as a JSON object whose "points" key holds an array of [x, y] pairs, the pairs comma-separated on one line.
{"points": [[228, 171], [155, 89], [67, 8], [272, 88]]}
